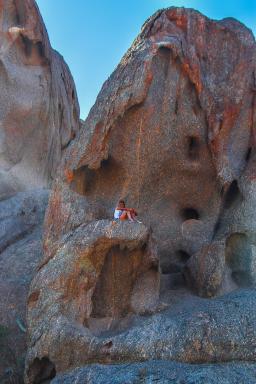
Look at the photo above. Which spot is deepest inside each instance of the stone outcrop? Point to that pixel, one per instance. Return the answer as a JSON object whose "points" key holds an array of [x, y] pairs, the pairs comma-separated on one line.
{"points": [[172, 132], [21, 219], [39, 116], [161, 372], [39, 112]]}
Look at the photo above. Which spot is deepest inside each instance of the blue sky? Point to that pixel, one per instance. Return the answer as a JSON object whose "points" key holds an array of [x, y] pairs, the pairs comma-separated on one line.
{"points": [[93, 35]]}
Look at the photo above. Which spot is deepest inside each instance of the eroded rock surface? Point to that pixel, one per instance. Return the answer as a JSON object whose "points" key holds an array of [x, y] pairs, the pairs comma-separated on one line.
{"points": [[162, 372], [39, 111], [21, 219], [173, 133]]}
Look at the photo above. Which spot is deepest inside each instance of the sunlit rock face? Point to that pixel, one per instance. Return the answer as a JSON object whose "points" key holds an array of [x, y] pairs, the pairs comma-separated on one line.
{"points": [[172, 133], [39, 111]]}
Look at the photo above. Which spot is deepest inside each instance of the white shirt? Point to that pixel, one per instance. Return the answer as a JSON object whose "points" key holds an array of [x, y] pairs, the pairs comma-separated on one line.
{"points": [[117, 213]]}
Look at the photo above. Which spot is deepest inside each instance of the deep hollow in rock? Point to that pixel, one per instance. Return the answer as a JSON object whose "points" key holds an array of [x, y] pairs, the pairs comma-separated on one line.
{"points": [[239, 258], [41, 370], [189, 213], [193, 147], [183, 256]]}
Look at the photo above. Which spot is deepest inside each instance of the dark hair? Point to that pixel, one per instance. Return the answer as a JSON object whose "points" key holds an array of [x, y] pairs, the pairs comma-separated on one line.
{"points": [[121, 202]]}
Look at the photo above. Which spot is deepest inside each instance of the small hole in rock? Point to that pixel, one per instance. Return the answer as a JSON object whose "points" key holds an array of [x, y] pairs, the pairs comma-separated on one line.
{"points": [[41, 371], [109, 344], [154, 268], [193, 147], [183, 256], [232, 195], [105, 163], [176, 107], [144, 247], [189, 213]]}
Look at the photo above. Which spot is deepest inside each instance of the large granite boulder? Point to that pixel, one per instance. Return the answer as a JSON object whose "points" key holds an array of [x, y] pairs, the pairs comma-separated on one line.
{"points": [[39, 111], [173, 133], [161, 372]]}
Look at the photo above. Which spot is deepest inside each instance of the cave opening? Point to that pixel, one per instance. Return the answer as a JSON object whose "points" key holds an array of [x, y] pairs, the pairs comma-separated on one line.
{"points": [[41, 371], [183, 256], [189, 213], [193, 147], [239, 258]]}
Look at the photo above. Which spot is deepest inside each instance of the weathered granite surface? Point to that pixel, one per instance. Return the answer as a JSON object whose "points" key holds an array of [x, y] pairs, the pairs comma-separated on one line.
{"points": [[173, 133], [39, 110], [21, 218], [164, 372]]}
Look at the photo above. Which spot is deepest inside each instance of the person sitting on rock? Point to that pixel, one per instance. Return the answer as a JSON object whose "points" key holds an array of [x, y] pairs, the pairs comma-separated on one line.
{"points": [[123, 213]]}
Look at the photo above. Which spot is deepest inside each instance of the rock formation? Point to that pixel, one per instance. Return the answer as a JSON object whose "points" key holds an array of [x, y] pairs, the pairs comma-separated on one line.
{"points": [[39, 112], [39, 116], [21, 218], [173, 133]]}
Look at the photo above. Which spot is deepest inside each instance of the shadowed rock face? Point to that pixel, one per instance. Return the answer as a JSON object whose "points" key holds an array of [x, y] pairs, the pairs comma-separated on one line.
{"points": [[39, 111], [21, 219], [172, 133]]}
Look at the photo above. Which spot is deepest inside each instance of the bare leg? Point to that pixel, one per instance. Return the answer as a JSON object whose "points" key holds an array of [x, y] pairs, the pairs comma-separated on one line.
{"points": [[130, 216]]}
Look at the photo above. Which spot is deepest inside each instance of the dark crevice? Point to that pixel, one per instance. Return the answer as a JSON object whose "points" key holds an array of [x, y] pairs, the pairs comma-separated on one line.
{"points": [[109, 344], [27, 44], [193, 147], [189, 213], [232, 195], [216, 227], [40, 49], [165, 54], [182, 256], [20, 16], [154, 268], [239, 256], [248, 154], [171, 268], [176, 107], [16, 238], [41, 370]]}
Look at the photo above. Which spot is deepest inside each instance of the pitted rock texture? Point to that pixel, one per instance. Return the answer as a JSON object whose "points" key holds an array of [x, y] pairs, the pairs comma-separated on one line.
{"points": [[39, 111], [103, 272], [172, 132], [161, 372], [21, 219], [186, 329]]}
